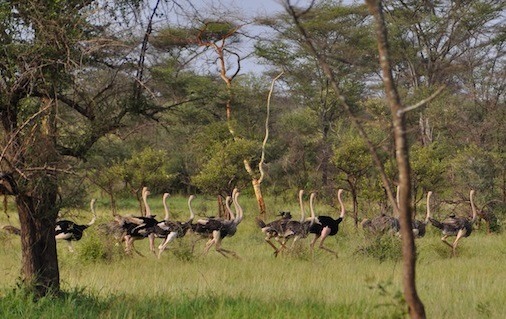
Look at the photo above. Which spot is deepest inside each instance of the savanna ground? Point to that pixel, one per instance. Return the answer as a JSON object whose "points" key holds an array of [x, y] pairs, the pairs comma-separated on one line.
{"points": [[364, 282]]}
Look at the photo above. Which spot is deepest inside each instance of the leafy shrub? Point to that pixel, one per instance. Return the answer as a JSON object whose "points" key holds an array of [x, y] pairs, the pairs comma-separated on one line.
{"points": [[382, 247]]}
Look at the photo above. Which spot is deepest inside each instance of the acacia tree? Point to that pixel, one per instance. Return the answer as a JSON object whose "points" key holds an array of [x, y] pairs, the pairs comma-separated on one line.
{"points": [[62, 87], [219, 36]]}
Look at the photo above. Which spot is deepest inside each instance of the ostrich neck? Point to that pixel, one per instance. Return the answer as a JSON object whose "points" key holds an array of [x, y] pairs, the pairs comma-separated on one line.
{"points": [[343, 210], [166, 208], [192, 214], [302, 210], [229, 210], [145, 200], [238, 208], [473, 207]]}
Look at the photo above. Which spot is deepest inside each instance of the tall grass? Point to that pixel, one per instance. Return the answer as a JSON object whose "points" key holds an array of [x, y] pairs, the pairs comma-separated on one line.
{"points": [[364, 282]]}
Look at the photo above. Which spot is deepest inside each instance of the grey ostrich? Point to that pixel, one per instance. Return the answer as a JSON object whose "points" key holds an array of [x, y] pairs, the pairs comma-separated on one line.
{"points": [[420, 226], [383, 223], [168, 229], [276, 228], [217, 229], [324, 226], [456, 226], [294, 229]]}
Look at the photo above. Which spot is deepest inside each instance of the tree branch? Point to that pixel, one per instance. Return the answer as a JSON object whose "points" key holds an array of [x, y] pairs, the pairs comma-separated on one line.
{"points": [[422, 102], [262, 158]]}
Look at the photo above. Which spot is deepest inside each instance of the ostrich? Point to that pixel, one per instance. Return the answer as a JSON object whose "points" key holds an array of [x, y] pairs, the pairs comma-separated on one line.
{"points": [[383, 223], [172, 229], [295, 229], [12, 230], [456, 226], [70, 231], [151, 228], [204, 226], [419, 227], [324, 226], [137, 227], [220, 228], [273, 229], [140, 227], [276, 228]]}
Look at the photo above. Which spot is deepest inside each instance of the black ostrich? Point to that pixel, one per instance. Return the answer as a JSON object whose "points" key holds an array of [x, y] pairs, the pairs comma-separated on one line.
{"points": [[325, 226], [216, 228], [69, 231], [456, 226], [169, 229], [137, 227]]}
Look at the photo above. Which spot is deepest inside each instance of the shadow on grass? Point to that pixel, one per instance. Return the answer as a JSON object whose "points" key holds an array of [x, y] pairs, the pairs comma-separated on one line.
{"points": [[81, 304]]}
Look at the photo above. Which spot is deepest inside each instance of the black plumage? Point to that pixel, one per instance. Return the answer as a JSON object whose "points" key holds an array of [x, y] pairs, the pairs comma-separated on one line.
{"points": [[325, 226], [70, 231], [169, 229]]}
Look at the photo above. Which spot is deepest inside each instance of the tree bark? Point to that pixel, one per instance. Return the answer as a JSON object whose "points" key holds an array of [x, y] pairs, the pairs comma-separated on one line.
{"points": [[259, 197], [37, 207], [415, 306], [40, 273]]}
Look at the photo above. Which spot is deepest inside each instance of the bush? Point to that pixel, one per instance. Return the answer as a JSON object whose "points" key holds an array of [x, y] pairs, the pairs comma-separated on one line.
{"points": [[382, 247]]}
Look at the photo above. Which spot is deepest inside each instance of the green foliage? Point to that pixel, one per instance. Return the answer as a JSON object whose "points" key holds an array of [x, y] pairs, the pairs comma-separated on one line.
{"points": [[224, 165], [95, 247], [473, 167], [428, 165], [382, 247], [296, 149], [393, 296], [352, 156], [147, 167]]}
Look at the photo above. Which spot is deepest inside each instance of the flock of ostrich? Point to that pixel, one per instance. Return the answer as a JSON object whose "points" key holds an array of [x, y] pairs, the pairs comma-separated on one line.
{"points": [[128, 228]]}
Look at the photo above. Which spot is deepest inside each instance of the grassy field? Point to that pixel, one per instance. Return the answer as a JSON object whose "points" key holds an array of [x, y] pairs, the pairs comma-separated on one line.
{"points": [[364, 282]]}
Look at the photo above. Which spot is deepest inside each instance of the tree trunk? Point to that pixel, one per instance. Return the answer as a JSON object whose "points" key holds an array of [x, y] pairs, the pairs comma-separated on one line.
{"points": [[415, 306], [37, 207], [40, 273], [260, 199]]}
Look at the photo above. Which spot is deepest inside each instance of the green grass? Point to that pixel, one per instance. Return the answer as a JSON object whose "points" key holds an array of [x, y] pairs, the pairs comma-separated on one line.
{"points": [[361, 283]]}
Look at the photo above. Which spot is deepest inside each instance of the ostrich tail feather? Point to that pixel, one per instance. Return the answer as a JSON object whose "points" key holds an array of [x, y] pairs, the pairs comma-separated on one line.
{"points": [[436, 223], [260, 222]]}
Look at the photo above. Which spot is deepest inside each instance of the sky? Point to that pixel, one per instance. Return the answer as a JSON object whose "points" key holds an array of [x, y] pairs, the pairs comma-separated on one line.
{"points": [[246, 9]]}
